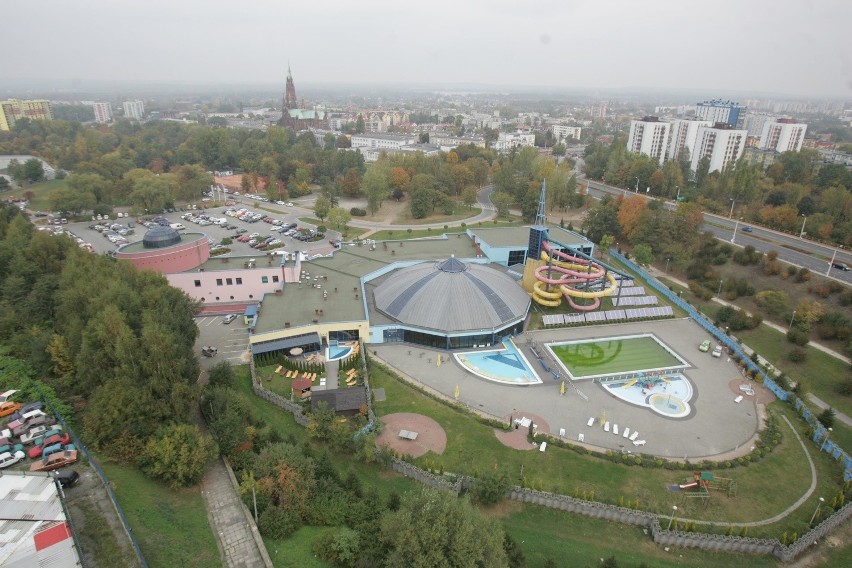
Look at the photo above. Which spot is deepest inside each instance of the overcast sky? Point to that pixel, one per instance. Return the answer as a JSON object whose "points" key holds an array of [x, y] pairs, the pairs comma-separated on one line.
{"points": [[746, 46]]}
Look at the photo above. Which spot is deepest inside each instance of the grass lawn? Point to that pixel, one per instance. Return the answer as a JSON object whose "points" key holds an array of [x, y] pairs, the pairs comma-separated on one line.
{"points": [[170, 526], [588, 358], [295, 552], [42, 191], [574, 540], [765, 489], [437, 232], [97, 538], [460, 213]]}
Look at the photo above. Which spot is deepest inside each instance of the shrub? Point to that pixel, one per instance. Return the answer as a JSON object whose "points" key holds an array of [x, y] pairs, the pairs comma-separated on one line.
{"points": [[178, 454], [803, 275], [278, 523], [797, 355], [339, 547], [826, 417], [357, 212]]}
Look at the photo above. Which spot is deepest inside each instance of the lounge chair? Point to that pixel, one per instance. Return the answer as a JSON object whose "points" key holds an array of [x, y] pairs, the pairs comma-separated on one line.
{"points": [[542, 446], [633, 436], [591, 421], [639, 443], [278, 370], [738, 399], [626, 432], [606, 426], [615, 429]]}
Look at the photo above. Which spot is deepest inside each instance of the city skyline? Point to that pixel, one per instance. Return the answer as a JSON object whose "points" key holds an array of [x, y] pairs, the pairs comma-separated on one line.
{"points": [[756, 47]]}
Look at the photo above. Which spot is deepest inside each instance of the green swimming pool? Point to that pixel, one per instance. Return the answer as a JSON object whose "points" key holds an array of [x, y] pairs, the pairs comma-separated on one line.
{"points": [[615, 355]]}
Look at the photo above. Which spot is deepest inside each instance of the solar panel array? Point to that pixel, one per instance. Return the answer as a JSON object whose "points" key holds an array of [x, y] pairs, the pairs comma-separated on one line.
{"points": [[624, 282], [610, 315], [631, 291], [635, 301]]}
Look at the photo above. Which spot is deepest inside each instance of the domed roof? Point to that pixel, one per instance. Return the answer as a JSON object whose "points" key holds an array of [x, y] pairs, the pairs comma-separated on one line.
{"points": [[451, 296], [159, 236]]}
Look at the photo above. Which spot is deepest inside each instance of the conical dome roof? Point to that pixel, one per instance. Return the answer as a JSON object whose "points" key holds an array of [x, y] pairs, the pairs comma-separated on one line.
{"points": [[159, 236]]}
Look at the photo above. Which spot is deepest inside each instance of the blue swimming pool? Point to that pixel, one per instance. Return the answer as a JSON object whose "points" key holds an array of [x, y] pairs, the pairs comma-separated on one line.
{"points": [[507, 365], [337, 351]]}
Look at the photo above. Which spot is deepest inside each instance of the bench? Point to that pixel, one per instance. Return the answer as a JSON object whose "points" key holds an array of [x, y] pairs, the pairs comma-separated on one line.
{"points": [[408, 435]]}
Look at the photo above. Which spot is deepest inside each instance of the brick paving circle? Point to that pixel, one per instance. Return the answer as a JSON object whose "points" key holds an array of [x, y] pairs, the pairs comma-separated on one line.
{"points": [[517, 438], [430, 435], [762, 395]]}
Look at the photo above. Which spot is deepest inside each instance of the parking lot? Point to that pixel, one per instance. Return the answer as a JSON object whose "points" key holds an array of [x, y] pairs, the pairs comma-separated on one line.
{"points": [[230, 339], [216, 233]]}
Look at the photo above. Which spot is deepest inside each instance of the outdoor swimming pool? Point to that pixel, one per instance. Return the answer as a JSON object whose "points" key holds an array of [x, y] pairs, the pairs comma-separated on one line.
{"points": [[667, 395], [507, 365], [337, 351]]}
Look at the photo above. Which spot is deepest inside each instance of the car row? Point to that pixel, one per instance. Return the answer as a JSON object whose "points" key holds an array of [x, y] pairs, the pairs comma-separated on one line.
{"points": [[30, 425]]}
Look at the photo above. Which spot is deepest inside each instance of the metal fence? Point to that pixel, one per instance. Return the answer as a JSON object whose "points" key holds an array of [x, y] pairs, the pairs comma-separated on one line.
{"points": [[820, 432]]}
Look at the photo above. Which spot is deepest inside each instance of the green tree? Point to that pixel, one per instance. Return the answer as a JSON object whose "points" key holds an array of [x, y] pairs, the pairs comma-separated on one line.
{"points": [[322, 207], [359, 125], [178, 454], [433, 528], [469, 196], [71, 201], [491, 488], [33, 170], [376, 187], [340, 547], [644, 255], [501, 201], [192, 182], [338, 216], [4, 183], [602, 219], [221, 375], [95, 184]]}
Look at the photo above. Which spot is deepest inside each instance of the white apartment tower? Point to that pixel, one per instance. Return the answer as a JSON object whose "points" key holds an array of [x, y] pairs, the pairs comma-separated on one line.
{"points": [[721, 111], [782, 135], [103, 112], [683, 135], [649, 136], [134, 110], [720, 143]]}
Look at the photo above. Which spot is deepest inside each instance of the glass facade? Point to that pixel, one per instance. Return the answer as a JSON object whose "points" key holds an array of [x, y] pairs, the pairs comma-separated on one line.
{"points": [[438, 341]]}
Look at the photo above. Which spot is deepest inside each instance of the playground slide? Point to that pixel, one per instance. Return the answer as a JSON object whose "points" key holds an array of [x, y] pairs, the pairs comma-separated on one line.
{"points": [[571, 270], [688, 485]]}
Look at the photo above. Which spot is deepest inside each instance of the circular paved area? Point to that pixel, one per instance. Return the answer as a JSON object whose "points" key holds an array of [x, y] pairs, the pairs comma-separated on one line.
{"points": [[430, 436], [517, 437], [762, 395]]}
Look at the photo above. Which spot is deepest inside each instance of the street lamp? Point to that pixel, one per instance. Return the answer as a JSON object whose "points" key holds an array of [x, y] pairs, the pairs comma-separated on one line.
{"points": [[802, 232], [667, 264], [671, 519], [736, 225], [719, 293], [830, 264], [791, 320], [677, 199], [821, 501], [637, 185], [733, 202], [825, 440]]}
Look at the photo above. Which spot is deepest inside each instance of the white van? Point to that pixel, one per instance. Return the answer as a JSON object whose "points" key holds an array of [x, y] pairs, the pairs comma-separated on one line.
{"points": [[177, 227]]}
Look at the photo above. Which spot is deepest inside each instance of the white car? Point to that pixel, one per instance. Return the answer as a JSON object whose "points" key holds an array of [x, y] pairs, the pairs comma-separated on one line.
{"points": [[289, 204], [34, 433], [229, 318], [717, 351], [8, 458], [280, 203]]}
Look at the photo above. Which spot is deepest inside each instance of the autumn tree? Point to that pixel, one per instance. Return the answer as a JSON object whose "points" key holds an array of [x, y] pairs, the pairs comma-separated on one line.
{"points": [[338, 216], [351, 184], [630, 213], [322, 206]]}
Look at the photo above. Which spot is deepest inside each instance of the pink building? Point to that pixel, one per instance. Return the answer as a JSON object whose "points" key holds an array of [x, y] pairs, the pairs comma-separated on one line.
{"points": [[228, 279], [164, 250]]}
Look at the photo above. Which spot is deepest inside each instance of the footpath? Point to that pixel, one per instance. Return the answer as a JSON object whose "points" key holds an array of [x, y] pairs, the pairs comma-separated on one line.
{"points": [[812, 397]]}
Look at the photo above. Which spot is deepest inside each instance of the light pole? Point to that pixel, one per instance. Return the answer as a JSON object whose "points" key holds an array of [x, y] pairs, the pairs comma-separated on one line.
{"points": [[791, 320], [737, 224], [802, 232], [821, 501], [825, 440], [667, 264], [830, 264], [637, 185], [719, 293], [733, 202], [671, 519], [677, 199]]}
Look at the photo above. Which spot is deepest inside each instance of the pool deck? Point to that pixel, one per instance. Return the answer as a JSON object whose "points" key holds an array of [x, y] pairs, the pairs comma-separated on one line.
{"points": [[716, 426]]}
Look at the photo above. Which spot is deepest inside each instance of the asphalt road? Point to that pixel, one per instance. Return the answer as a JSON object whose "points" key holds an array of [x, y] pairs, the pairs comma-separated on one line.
{"points": [[797, 251]]}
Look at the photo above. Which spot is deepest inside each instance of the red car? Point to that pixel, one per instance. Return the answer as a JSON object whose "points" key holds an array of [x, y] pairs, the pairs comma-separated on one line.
{"points": [[35, 451]]}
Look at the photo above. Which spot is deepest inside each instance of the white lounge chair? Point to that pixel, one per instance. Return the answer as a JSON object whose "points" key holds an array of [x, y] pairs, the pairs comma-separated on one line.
{"points": [[542, 447], [639, 443], [633, 436], [606, 426], [562, 432], [738, 399], [615, 429], [626, 432], [591, 421], [581, 437]]}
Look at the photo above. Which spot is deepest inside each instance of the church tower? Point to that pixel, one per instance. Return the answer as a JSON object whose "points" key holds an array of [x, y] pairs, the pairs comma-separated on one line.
{"points": [[290, 102]]}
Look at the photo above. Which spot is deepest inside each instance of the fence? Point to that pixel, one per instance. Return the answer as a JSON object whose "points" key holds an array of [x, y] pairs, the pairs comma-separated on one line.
{"points": [[737, 350]]}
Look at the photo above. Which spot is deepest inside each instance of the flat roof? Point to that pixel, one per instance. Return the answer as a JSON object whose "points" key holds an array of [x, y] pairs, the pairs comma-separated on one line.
{"points": [[137, 246], [228, 262], [519, 236]]}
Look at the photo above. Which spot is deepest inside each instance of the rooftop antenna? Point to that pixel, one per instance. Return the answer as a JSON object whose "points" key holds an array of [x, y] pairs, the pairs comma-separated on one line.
{"points": [[540, 216]]}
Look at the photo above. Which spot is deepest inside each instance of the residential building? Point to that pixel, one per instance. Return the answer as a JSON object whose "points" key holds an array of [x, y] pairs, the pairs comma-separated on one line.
{"points": [[508, 140], [103, 112], [561, 132], [447, 141], [13, 110], [754, 123], [134, 109], [718, 110], [720, 143], [383, 141], [682, 136], [649, 136], [783, 135]]}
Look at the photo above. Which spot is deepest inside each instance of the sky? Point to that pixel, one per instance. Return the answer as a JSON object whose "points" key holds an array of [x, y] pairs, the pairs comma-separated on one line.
{"points": [[794, 47]]}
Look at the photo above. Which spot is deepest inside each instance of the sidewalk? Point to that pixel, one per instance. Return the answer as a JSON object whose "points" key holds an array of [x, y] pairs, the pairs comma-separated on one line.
{"points": [[813, 398]]}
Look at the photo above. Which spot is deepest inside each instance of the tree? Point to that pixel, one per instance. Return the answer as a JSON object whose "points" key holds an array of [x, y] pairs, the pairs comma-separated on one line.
{"points": [[630, 213], [359, 125], [376, 187], [469, 196], [602, 220], [501, 201], [221, 375], [559, 149], [351, 184], [4, 183], [826, 417], [322, 206], [433, 528], [70, 201], [151, 193], [491, 488], [644, 255], [338, 216], [33, 170], [399, 178], [192, 182], [178, 454]]}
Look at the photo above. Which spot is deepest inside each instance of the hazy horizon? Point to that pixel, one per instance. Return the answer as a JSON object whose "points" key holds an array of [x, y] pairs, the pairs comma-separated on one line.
{"points": [[727, 48]]}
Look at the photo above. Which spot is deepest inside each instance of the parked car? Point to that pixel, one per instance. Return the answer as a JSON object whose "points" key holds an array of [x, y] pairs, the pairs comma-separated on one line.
{"points": [[229, 318], [9, 407], [7, 459], [11, 448], [30, 436], [66, 477], [55, 461], [7, 395], [37, 450], [717, 351], [705, 346], [209, 351]]}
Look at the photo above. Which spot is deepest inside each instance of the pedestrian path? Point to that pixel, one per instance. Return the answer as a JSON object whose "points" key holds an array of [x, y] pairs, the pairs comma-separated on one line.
{"points": [[232, 528]]}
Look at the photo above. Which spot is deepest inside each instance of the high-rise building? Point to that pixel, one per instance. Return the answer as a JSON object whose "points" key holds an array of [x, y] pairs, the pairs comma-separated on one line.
{"points": [[649, 136], [683, 135], [103, 112], [13, 110], [720, 143], [721, 111], [134, 110], [782, 135], [754, 123]]}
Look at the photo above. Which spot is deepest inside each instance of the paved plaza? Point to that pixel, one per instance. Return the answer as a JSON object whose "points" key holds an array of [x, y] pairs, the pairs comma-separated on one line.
{"points": [[716, 426]]}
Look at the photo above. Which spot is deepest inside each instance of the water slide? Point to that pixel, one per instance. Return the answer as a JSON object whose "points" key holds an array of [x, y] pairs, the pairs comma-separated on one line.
{"points": [[565, 272]]}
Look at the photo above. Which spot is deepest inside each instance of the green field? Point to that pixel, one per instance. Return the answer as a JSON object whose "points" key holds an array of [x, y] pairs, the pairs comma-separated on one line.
{"points": [[617, 355]]}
